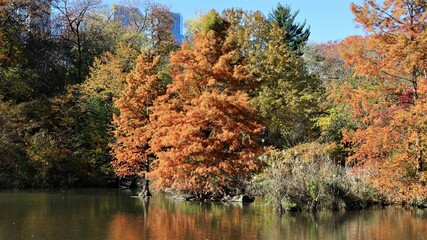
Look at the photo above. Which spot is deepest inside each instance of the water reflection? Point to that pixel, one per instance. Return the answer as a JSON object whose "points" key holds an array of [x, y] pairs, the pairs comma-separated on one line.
{"points": [[114, 215]]}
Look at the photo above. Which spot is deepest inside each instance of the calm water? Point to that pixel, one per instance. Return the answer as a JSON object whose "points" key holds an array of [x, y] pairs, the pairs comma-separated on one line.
{"points": [[113, 215]]}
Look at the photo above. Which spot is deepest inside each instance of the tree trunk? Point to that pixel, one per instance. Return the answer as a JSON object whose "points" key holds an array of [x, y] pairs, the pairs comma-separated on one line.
{"points": [[313, 205], [420, 166], [145, 190]]}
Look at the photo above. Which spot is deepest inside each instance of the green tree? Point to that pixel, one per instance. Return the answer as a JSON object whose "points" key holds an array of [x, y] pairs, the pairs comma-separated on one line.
{"points": [[285, 94], [289, 96], [84, 115], [29, 55], [13, 161], [325, 63], [294, 34]]}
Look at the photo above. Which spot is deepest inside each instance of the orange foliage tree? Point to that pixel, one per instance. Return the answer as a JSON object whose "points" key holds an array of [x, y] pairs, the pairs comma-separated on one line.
{"points": [[390, 105], [204, 129], [131, 149]]}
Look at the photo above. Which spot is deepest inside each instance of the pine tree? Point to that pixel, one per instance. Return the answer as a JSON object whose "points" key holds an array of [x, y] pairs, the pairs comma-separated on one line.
{"points": [[295, 36]]}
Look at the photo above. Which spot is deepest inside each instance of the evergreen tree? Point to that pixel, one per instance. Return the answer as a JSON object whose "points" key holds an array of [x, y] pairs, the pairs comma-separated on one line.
{"points": [[295, 34]]}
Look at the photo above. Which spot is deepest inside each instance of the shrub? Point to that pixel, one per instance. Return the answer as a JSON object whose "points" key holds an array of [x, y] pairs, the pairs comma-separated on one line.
{"points": [[305, 178]]}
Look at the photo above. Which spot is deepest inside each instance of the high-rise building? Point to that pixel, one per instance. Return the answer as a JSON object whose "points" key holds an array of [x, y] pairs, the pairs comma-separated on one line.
{"points": [[128, 16], [177, 26]]}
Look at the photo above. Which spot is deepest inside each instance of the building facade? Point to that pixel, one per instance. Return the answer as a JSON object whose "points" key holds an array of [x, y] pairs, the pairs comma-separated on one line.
{"points": [[128, 16], [177, 27]]}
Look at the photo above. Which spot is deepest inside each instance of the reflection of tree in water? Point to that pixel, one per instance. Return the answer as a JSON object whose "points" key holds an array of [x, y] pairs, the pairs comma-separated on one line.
{"points": [[114, 215], [65, 214], [165, 218], [170, 219], [385, 223]]}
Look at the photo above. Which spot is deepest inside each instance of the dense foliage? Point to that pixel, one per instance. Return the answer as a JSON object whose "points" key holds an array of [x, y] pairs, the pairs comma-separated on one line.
{"points": [[305, 178], [246, 103], [62, 63], [390, 109]]}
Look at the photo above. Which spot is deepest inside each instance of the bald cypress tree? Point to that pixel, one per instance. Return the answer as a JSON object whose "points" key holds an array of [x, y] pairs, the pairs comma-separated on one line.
{"points": [[205, 128]]}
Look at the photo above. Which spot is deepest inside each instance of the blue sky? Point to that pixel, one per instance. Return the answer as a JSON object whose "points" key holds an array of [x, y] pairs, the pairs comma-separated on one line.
{"points": [[328, 19]]}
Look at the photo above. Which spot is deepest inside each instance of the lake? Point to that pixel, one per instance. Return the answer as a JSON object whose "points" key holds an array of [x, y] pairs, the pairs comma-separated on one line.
{"points": [[111, 214]]}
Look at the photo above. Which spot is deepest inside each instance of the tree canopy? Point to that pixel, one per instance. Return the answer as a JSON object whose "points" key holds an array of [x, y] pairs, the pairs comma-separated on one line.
{"points": [[295, 35], [390, 108], [204, 128], [89, 98]]}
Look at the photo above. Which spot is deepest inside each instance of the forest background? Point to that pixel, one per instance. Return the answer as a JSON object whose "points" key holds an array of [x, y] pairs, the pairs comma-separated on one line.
{"points": [[245, 103]]}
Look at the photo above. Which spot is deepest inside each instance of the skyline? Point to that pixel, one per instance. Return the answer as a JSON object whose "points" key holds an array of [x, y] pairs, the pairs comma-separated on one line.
{"points": [[328, 20]]}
